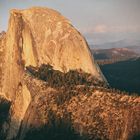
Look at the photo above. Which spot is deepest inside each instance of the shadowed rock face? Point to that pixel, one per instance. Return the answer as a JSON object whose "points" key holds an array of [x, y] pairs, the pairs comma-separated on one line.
{"points": [[4, 114]]}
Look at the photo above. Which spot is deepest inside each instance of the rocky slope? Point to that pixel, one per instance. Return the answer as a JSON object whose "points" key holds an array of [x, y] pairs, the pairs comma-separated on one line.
{"points": [[84, 110], [43, 36], [81, 111]]}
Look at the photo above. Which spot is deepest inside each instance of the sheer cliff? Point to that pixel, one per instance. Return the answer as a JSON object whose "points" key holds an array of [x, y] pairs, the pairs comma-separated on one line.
{"points": [[41, 35], [36, 36], [53, 85], [2, 56]]}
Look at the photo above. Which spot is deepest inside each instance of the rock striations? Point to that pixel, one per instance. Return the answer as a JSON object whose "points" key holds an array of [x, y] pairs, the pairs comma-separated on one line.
{"points": [[39, 36]]}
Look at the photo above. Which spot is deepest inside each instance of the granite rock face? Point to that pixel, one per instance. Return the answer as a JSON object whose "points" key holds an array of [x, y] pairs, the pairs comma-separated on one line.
{"points": [[48, 37], [43, 36], [2, 56], [39, 36]]}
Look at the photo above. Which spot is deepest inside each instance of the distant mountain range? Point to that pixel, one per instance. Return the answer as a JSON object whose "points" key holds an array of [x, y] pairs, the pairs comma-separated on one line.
{"points": [[114, 53], [133, 45]]}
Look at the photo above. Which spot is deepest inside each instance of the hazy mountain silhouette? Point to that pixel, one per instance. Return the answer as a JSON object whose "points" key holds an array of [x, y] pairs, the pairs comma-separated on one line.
{"points": [[117, 44], [114, 53], [124, 75]]}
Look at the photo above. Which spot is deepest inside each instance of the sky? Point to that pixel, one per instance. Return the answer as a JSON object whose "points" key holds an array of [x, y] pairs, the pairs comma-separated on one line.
{"points": [[99, 21]]}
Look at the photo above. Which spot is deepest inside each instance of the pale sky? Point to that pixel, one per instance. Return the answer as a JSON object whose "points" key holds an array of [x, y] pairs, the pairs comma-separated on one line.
{"points": [[98, 20]]}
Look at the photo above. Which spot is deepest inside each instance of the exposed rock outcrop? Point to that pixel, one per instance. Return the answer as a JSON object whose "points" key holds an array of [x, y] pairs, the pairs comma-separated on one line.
{"points": [[97, 113], [40, 36], [2, 56], [36, 36], [43, 36], [50, 38]]}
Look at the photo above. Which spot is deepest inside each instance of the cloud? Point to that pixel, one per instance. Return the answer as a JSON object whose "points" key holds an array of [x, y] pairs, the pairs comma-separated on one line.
{"points": [[102, 28]]}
